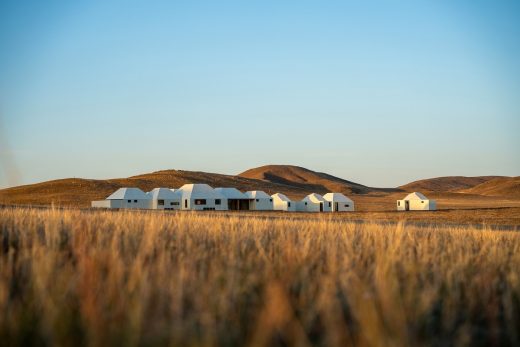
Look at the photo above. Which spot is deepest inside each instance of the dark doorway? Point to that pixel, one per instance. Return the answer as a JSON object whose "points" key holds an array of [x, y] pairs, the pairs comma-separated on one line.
{"points": [[407, 205], [336, 205], [238, 204], [321, 206]]}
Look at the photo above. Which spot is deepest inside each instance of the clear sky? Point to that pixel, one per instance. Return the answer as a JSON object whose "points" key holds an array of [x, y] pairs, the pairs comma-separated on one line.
{"points": [[378, 92]]}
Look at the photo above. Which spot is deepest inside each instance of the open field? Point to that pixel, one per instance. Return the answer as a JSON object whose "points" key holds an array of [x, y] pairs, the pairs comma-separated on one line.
{"points": [[83, 277], [481, 217]]}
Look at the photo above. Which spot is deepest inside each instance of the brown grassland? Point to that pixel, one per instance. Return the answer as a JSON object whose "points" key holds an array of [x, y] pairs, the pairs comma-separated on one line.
{"points": [[93, 278]]}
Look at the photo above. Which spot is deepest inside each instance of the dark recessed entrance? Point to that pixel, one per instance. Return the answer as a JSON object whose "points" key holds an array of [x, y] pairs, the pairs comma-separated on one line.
{"points": [[238, 204]]}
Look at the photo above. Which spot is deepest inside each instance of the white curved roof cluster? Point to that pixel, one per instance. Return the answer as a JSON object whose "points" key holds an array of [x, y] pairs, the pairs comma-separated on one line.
{"points": [[199, 196]]}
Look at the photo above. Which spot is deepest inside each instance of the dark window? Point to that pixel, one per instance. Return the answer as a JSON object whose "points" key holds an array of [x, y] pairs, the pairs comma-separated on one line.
{"points": [[217, 201], [289, 204], [270, 200], [200, 201], [422, 202], [160, 202], [135, 200], [129, 201], [174, 203], [330, 204], [257, 200], [305, 204], [185, 203], [399, 203], [347, 205]]}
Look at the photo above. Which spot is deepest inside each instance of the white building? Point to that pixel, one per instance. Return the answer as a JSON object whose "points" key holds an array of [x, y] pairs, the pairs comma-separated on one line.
{"points": [[313, 203], [282, 203], [236, 200], [201, 197], [339, 202], [259, 200], [125, 198], [165, 199], [416, 202]]}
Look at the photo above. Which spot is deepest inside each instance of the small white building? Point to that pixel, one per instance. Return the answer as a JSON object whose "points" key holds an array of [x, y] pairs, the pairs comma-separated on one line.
{"points": [[282, 203], [313, 203], [165, 199], [339, 202], [259, 200], [416, 202], [125, 198], [236, 200], [201, 197]]}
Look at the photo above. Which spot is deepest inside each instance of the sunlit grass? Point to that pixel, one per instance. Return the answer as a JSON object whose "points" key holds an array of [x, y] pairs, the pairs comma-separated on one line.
{"points": [[187, 279]]}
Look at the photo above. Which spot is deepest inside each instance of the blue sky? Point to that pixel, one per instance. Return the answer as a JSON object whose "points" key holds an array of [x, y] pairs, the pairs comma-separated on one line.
{"points": [[378, 92]]}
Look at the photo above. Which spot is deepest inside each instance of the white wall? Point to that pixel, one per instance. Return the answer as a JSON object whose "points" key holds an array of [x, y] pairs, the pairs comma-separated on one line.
{"points": [[312, 206], [106, 204], [174, 204], [280, 205], [417, 205], [342, 206], [118, 203], [421, 205], [210, 204], [223, 204], [133, 204], [261, 205]]}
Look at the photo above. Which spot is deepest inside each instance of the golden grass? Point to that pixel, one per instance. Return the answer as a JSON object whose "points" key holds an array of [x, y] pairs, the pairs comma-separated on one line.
{"points": [[129, 278]]}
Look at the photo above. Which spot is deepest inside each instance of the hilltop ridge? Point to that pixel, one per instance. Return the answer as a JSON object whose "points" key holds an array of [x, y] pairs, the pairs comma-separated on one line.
{"points": [[293, 181]]}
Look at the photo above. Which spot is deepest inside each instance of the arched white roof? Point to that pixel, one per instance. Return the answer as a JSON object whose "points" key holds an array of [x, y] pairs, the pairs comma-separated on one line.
{"points": [[128, 193], [257, 194], [199, 191], [336, 197], [164, 193], [315, 198], [231, 193], [415, 196], [280, 196]]}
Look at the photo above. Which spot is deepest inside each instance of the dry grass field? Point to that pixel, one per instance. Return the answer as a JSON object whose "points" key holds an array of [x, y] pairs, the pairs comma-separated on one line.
{"points": [[93, 278]]}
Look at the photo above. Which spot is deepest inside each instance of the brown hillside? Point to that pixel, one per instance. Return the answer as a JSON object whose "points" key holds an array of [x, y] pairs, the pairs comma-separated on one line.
{"points": [[503, 186], [446, 184], [296, 176], [295, 182], [79, 192]]}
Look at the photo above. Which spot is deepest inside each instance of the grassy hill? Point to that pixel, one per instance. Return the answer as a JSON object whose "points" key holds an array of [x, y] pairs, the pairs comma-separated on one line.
{"points": [[79, 192], [501, 186], [309, 180], [446, 184], [294, 181]]}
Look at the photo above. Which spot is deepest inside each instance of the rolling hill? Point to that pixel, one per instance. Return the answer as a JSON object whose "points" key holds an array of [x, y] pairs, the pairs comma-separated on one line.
{"points": [[319, 182], [79, 192], [446, 184], [294, 181], [501, 186]]}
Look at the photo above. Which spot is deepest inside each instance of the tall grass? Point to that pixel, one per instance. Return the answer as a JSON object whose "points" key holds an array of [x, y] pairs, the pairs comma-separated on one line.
{"points": [[75, 278]]}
